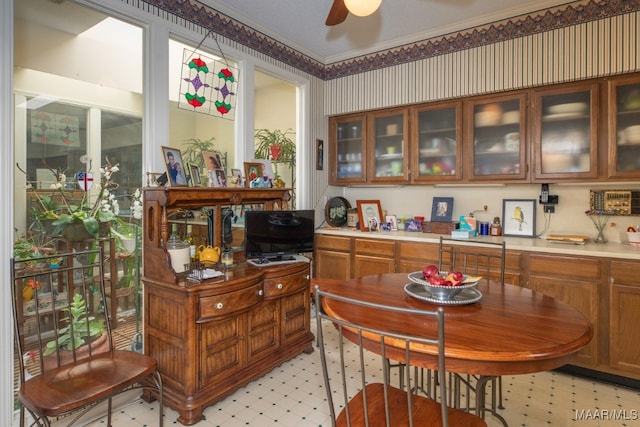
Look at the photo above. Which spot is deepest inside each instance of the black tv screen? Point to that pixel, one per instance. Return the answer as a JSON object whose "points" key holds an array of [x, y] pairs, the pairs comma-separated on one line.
{"points": [[278, 234]]}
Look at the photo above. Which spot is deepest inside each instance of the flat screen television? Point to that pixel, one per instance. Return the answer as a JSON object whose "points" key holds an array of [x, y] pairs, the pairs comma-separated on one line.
{"points": [[278, 235]]}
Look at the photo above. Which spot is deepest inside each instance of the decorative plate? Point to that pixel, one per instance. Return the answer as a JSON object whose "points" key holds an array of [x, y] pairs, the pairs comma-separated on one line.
{"points": [[464, 297], [335, 211]]}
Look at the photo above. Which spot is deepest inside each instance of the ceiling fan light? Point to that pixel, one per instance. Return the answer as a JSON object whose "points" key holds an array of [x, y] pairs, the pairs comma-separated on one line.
{"points": [[362, 7]]}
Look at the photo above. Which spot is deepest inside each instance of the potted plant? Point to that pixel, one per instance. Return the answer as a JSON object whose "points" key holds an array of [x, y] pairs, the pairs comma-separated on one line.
{"points": [[279, 147], [127, 233], [80, 329], [195, 147]]}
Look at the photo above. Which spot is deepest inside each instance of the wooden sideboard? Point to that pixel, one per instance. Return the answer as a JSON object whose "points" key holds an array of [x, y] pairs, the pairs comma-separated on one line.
{"points": [[213, 337], [604, 288]]}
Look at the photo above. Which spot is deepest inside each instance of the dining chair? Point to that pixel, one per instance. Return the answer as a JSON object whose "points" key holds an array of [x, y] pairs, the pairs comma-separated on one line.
{"points": [[476, 258], [64, 344], [356, 378]]}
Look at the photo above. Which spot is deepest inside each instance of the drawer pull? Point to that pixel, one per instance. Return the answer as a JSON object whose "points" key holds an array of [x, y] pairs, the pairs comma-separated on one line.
{"points": [[260, 292], [307, 277], [279, 286], [219, 306]]}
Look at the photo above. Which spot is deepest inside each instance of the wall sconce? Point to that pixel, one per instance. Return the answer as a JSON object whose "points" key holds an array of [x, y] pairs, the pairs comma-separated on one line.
{"points": [[362, 7]]}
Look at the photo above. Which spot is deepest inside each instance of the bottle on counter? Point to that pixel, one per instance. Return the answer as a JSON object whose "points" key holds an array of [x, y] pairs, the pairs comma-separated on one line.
{"points": [[496, 228], [192, 243]]}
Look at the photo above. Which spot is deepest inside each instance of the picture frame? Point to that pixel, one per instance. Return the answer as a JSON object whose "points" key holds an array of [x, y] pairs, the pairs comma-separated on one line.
{"points": [[194, 170], [392, 221], [221, 178], [172, 158], [319, 154], [368, 209], [519, 217], [252, 170], [442, 209], [236, 174], [213, 160]]}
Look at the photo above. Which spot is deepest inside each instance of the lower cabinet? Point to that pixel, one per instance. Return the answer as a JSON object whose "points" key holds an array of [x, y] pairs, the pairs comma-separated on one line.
{"points": [[624, 317], [374, 257], [332, 257], [210, 339]]}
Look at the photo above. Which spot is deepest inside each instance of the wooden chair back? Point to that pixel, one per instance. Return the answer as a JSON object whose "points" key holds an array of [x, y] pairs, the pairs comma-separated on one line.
{"points": [[64, 341]]}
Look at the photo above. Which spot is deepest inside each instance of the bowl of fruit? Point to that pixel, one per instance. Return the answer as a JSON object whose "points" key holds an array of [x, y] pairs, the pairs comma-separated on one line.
{"points": [[443, 285]]}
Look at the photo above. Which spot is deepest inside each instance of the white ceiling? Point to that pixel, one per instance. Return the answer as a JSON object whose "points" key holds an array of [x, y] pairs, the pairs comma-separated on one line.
{"points": [[300, 23]]}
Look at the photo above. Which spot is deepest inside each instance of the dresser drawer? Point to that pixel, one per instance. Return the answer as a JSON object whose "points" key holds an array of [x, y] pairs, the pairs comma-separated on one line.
{"points": [[224, 304], [292, 283]]}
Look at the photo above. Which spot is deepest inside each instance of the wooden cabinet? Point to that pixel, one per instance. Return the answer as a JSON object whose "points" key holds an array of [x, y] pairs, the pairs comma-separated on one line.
{"points": [[623, 106], [212, 337], [347, 150], [436, 143], [623, 316], [495, 135], [374, 256], [388, 155], [574, 281], [564, 128], [332, 257]]}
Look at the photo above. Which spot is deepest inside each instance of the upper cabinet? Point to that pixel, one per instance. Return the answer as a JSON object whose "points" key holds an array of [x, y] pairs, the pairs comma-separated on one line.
{"points": [[388, 154], [624, 127], [436, 146], [347, 151], [580, 131], [564, 130], [495, 138]]}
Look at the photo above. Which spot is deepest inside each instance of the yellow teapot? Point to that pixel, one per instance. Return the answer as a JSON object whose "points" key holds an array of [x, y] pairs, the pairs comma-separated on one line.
{"points": [[208, 253]]}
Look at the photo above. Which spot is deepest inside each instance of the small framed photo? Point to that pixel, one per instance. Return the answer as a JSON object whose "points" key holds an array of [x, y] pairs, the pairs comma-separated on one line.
{"points": [[368, 210], [252, 171], [392, 221], [175, 168], [319, 154], [519, 217], [442, 209], [213, 160], [374, 224], [221, 178], [194, 170], [236, 178]]}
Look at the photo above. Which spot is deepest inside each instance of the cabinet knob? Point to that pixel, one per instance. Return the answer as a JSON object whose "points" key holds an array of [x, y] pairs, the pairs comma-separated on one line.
{"points": [[260, 292], [219, 306], [307, 277], [279, 286]]}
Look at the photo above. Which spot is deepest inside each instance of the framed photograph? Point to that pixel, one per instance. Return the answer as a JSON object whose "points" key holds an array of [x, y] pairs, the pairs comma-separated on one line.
{"points": [[213, 160], [252, 171], [442, 209], [367, 210], [392, 221], [319, 154], [194, 170], [236, 178], [175, 168], [519, 217], [221, 178]]}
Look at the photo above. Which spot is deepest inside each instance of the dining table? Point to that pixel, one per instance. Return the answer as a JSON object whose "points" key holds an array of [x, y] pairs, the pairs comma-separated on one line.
{"points": [[504, 330]]}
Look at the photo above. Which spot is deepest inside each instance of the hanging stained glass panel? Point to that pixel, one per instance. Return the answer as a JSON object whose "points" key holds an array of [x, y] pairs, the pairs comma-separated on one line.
{"points": [[207, 85]]}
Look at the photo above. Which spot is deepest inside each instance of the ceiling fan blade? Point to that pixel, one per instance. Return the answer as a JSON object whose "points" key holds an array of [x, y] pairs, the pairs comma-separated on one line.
{"points": [[337, 14]]}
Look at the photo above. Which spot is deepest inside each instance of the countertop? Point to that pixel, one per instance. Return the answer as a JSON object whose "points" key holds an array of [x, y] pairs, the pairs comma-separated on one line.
{"points": [[600, 250]]}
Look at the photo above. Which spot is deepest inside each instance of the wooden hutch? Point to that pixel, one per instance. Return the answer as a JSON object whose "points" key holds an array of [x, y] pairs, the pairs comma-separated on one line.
{"points": [[213, 337]]}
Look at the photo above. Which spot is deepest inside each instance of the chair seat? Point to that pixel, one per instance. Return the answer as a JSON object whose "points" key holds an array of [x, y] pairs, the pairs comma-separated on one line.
{"points": [[426, 412], [75, 385]]}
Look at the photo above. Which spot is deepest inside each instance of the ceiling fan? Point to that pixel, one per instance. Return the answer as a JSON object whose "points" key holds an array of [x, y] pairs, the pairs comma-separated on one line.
{"points": [[340, 9]]}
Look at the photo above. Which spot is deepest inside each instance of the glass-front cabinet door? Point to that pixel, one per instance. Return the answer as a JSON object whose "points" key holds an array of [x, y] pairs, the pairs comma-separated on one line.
{"points": [[624, 127], [565, 132], [436, 146], [347, 151], [388, 157], [495, 137]]}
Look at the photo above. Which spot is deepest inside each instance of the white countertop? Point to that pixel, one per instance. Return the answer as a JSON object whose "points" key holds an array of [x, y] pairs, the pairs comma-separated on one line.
{"points": [[607, 250]]}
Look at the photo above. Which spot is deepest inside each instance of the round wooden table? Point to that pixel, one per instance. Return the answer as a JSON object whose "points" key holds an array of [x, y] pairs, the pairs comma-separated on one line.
{"points": [[510, 330]]}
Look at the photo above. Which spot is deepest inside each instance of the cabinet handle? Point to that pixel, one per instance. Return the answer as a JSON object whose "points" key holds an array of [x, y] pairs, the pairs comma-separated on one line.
{"points": [[260, 292], [279, 286], [219, 306], [307, 277]]}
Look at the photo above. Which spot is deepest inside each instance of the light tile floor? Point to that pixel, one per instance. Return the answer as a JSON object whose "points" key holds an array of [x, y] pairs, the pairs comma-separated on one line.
{"points": [[293, 395]]}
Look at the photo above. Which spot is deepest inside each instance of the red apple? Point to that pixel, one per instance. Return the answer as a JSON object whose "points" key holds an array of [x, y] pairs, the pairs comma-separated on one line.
{"points": [[430, 271], [458, 276], [437, 281]]}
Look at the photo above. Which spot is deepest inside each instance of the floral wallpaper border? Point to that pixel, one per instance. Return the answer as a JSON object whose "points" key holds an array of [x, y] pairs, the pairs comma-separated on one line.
{"points": [[545, 20]]}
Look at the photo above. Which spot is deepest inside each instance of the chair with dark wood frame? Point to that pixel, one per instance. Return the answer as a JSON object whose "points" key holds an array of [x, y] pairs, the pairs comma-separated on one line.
{"points": [[363, 388], [60, 297]]}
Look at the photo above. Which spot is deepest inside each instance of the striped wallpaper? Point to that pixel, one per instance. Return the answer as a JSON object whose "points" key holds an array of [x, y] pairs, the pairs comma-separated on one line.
{"points": [[593, 49]]}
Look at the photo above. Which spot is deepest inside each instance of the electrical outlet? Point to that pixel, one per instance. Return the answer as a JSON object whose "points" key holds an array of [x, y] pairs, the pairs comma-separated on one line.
{"points": [[549, 209]]}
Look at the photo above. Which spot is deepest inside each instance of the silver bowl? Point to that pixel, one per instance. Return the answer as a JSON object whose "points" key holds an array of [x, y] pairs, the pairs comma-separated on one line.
{"points": [[442, 293]]}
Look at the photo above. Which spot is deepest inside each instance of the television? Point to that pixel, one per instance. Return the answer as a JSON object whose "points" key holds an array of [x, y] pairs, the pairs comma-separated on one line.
{"points": [[278, 235]]}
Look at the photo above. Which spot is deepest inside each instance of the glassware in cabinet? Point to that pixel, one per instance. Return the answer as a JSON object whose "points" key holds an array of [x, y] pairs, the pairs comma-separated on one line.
{"points": [[565, 132], [347, 150], [496, 133], [435, 143], [388, 156], [624, 132]]}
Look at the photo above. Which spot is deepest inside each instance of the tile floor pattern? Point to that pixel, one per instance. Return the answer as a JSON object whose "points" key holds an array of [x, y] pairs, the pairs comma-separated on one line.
{"points": [[293, 395]]}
